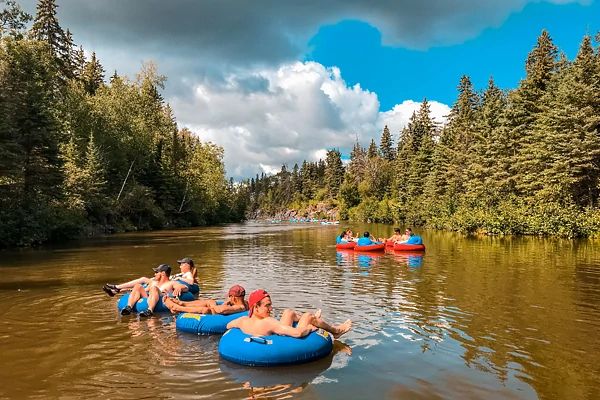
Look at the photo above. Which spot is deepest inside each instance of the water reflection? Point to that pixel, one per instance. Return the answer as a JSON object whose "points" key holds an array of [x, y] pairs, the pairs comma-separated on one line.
{"points": [[410, 259], [280, 382], [472, 317]]}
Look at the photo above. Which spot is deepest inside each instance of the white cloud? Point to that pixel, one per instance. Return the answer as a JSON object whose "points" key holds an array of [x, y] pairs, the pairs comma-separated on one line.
{"points": [[399, 115], [267, 117]]}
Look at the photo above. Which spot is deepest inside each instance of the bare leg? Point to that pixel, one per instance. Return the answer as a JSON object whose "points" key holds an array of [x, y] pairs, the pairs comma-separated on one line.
{"points": [[196, 306], [131, 284], [336, 331], [289, 317], [137, 293], [154, 295], [197, 303]]}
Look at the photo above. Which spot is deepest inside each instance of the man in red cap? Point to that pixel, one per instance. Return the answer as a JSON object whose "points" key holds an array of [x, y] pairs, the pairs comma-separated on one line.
{"points": [[235, 304], [260, 322]]}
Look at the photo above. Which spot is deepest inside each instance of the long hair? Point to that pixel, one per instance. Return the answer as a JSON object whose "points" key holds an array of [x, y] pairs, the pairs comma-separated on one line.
{"points": [[194, 272]]}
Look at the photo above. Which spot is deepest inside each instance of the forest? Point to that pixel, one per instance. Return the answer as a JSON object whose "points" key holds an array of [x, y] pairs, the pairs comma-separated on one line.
{"points": [[82, 153], [521, 161]]}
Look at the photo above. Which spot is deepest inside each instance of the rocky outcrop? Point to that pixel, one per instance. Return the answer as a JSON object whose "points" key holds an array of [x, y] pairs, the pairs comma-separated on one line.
{"points": [[312, 211]]}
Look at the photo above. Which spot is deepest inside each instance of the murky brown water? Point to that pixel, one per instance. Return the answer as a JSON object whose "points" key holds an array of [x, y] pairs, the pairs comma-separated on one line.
{"points": [[491, 318]]}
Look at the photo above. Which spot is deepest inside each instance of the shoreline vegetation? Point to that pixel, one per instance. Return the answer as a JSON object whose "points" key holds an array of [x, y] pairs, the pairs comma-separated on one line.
{"points": [[506, 162], [81, 154]]}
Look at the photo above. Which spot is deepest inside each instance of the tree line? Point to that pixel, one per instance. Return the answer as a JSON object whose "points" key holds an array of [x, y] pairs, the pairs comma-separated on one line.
{"points": [[82, 154], [521, 161]]}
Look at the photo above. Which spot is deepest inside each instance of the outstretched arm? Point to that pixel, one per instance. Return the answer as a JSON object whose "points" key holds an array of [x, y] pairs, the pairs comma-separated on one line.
{"points": [[226, 309]]}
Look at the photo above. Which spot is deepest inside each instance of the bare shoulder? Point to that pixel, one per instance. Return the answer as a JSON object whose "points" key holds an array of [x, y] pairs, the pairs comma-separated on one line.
{"points": [[237, 323]]}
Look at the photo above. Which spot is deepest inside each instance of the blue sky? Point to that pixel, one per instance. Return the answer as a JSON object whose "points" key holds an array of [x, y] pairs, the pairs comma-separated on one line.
{"points": [[276, 82], [397, 74]]}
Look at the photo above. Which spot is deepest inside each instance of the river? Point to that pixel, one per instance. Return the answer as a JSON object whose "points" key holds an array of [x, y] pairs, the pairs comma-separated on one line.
{"points": [[471, 318]]}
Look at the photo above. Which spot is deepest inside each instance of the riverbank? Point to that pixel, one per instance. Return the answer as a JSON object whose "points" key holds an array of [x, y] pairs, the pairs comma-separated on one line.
{"points": [[507, 217]]}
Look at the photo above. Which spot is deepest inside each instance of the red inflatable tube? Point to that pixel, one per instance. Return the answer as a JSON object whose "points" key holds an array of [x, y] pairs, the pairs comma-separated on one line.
{"points": [[349, 245], [409, 247], [389, 243], [371, 247]]}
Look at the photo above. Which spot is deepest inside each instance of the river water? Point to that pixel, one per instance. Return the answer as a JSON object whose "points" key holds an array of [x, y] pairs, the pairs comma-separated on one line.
{"points": [[472, 318]]}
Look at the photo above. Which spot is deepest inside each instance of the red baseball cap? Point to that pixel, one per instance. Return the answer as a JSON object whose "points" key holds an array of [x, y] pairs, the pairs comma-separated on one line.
{"points": [[237, 291], [254, 298]]}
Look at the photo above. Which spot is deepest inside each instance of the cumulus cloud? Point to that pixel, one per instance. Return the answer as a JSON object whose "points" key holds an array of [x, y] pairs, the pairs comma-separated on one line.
{"points": [[272, 116]]}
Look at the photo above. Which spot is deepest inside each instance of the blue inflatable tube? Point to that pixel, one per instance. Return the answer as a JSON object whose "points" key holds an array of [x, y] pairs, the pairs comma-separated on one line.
{"points": [[268, 351], [142, 304], [193, 289], [205, 324]]}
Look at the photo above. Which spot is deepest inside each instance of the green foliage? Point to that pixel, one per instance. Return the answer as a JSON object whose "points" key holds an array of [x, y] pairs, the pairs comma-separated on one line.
{"points": [[525, 161], [79, 156], [334, 172], [13, 19]]}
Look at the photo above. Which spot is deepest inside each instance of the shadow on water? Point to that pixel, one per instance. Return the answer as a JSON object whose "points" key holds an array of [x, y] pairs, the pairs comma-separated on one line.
{"points": [[280, 382]]}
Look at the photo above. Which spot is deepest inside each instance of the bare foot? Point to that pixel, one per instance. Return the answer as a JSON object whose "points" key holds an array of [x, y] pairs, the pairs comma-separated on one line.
{"points": [[343, 328], [170, 304], [177, 301], [318, 313]]}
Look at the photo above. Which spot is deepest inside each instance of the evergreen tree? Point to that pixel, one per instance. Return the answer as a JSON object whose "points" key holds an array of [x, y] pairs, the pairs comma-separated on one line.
{"points": [[571, 128], [74, 175], [308, 183], [388, 152], [94, 172], [46, 28], [296, 181], [358, 160], [490, 149], [93, 75], [525, 104], [373, 150], [462, 131], [421, 135], [334, 172], [79, 64]]}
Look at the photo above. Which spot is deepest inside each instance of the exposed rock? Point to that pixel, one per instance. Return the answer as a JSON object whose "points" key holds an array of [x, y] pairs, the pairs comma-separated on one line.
{"points": [[318, 211]]}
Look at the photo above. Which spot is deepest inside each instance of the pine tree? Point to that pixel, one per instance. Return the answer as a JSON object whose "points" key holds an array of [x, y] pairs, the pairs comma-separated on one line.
{"points": [[358, 160], [373, 150], [296, 181], [334, 172], [388, 152], [30, 77], [93, 75], [528, 158], [46, 28], [74, 174], [94, 170], [571, 127], [461, 127], [68, 54], [486, 148], [114, 77], [79, 63], [308, 183]]}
